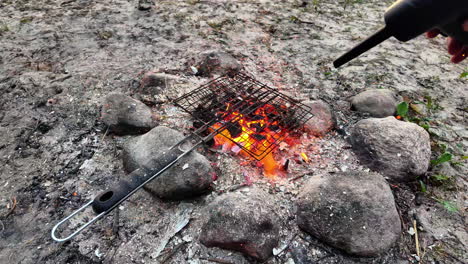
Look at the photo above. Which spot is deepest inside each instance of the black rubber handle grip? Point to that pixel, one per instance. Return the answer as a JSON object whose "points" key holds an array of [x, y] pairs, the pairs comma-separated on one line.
{"points": [[455, 31], [107, 199], [407, 19]]}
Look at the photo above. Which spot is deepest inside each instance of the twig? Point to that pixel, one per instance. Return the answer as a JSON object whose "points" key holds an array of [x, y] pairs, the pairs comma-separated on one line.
{"points": [[300, 176], [3, 226], [115, 226], [173, 252], [416, 238], [14, 202], [113, 254], [403, 224], [217, 260], [105, 133]]}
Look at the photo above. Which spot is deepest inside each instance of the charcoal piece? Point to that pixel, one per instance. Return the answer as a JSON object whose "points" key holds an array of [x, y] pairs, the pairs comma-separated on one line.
{"points": [[234, 129], [272, 116], [286, 165], [256, 117], [203, 114], [258, 137], [258, 127], [274, 127]]}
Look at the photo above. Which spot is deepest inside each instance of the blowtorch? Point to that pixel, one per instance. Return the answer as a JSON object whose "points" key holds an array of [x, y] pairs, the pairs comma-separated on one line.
{"points": [[407, 19]]}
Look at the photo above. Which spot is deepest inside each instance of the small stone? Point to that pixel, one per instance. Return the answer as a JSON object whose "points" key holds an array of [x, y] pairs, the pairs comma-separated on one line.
{"points": [[176, 183], [247, 223], [125, 115], [376, 102], [323, 120], [398, 150], [352, 211], [144, 5], [155, 79], [215, 62]]}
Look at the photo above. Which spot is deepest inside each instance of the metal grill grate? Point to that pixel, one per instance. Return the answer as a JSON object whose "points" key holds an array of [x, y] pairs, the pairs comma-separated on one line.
{"points": [[252, 115]]}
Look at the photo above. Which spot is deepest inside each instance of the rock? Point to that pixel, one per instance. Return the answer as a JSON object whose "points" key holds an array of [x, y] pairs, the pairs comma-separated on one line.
{"points": [[190, 176], [155, 79], [376, 102], [244, 223], [352, 211], [323, 120], [398, 150], [215, 62], [125, 115], [144, 5]]}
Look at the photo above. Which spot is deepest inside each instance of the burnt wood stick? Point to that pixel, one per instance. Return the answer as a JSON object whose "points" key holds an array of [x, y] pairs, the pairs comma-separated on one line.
{"points": [[107, 199]]}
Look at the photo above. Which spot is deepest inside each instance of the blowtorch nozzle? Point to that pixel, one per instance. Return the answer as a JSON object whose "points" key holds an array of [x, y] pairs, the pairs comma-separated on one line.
{"points": [[372, 41]]}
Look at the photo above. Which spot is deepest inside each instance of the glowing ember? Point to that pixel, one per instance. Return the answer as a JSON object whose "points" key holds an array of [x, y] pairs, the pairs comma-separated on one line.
{"points": [[254, 133]]}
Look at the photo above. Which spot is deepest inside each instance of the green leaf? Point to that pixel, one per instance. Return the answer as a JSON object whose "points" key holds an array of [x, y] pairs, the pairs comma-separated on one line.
{"points": [[464, 75], [423, 186], [450, 206], [464, 157], [440, 177], [425, 126], [293, 19], [443, 158], [402, 109]]}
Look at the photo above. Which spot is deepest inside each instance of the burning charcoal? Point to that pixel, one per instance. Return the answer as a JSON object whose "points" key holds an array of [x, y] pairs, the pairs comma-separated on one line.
{"points": [[272, 116], [258, 127], [274, 127], [234, 129], [204, 114], [258, 137], [256, 117]]}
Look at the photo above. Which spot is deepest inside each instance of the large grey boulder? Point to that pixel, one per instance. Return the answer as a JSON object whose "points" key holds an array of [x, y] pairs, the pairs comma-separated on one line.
{"points": [[323, 120], [398, 150], [376, 102], [241, 222], [190, 176], [353, 211], [125, 115]]}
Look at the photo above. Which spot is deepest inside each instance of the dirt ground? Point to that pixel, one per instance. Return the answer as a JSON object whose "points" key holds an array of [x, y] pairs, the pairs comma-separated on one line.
{"points": [[59, 58]]}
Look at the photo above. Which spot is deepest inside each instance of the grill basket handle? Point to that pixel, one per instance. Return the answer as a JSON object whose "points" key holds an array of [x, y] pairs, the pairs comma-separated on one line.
{"points": [[112, 196]]}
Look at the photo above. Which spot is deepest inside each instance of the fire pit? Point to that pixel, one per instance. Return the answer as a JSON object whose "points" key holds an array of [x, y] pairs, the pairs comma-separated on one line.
{"points": [[236, 111]]}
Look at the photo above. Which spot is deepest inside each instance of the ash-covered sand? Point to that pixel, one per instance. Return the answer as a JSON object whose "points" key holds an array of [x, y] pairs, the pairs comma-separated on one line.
{"points": [[58, 59]]}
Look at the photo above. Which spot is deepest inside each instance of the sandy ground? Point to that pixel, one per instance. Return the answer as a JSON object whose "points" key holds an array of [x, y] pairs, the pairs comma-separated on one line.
{"points": [[59, 58]]}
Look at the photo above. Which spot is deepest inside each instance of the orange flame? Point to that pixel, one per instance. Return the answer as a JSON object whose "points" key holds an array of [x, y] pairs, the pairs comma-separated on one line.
{"points": [[253, 134]]}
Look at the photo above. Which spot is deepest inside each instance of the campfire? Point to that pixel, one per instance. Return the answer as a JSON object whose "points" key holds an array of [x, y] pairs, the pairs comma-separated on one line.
{"points": [[247, 118]]}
